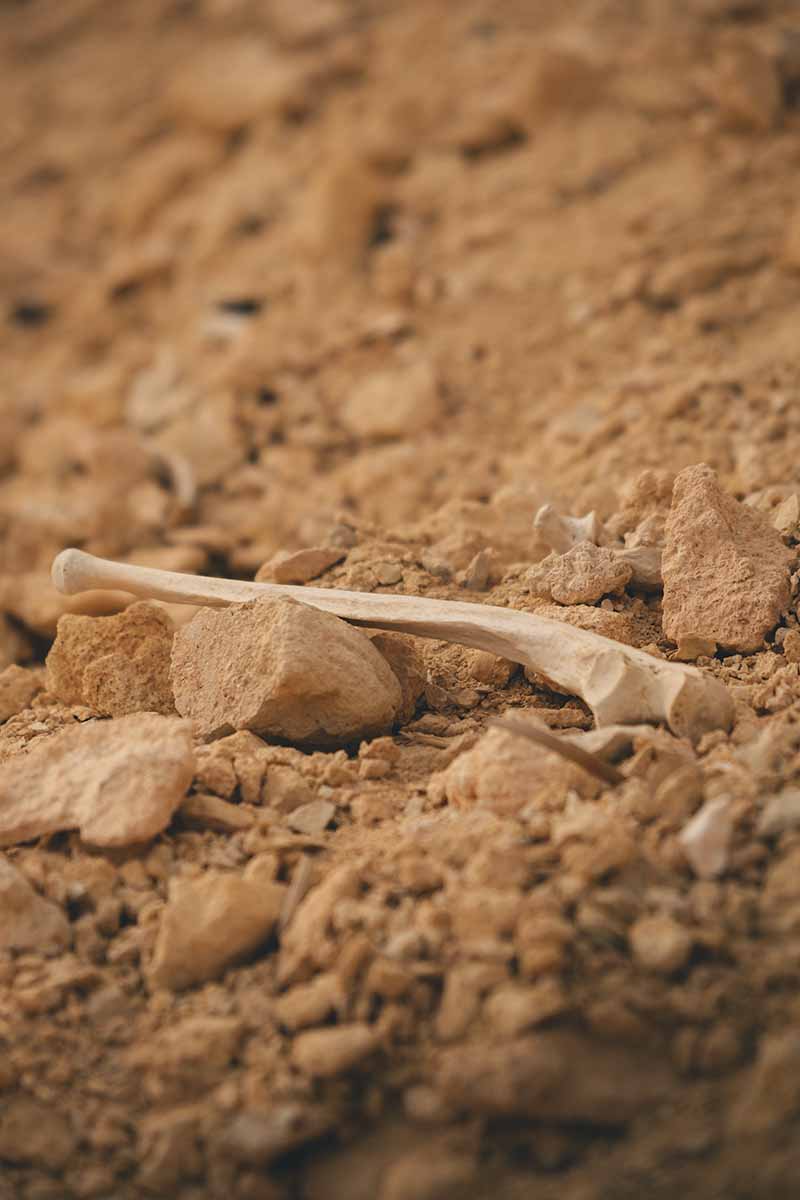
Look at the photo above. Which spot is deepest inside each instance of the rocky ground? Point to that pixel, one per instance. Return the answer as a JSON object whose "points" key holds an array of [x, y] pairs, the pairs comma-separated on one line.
{"points": [[391, 298]]}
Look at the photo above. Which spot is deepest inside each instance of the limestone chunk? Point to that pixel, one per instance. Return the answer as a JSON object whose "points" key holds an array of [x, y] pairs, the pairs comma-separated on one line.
{"points": [[726, 570], [660, 944], [115, 665], [27, 920], [300, 566], [581, 576], [18, 686], [329, 1052], [210, 923], [117, 782], [284, 670]]}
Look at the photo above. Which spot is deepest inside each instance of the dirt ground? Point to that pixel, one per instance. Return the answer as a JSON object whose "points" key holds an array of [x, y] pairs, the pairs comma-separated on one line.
{"points": [[383, 279]]}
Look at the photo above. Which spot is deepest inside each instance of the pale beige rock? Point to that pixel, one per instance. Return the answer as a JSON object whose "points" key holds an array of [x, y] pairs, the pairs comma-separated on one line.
{"points": [[553, 1076], [514, 1007], [310, 1003], [786, 517], [210, 812], [660, 944], [231, 84], [706, 839], [284, 670], [313, 818], [300, 566], [581, 576], [329, 1052], [115, 665], [726, 570], [117, 782], [18, 686], [391, 402], [210, 923], [27, 920]]}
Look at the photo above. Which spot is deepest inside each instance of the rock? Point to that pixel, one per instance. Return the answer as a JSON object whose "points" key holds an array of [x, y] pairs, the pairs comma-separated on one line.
{"points": [[210, 923], [726, 570], [771, 1096], [786, 517], [257, 1138], [706, 839], [282, 669], [791, 646], [780, 813], [233, 83], [581, 576], [394, 402], [211, 812], [407, 666], [514, 1007], [555, 1077], [117, 782], [18, 686], [312, 819], [35, 1133], [328, 1052], [310, 1003], [27, 920], [660, 944], [300, 566], [502, 772], [115, 665]]}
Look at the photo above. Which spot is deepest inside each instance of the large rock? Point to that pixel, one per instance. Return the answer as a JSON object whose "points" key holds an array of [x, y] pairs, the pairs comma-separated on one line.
{"points": [[580, 576], [115, 665], [210, 923], [27, 920], [285, 670], [117, 782], [726, 570]]}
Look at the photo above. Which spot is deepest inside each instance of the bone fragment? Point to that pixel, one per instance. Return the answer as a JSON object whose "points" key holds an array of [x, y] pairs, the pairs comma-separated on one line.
{"points": [[620, 684], [562, 533]]}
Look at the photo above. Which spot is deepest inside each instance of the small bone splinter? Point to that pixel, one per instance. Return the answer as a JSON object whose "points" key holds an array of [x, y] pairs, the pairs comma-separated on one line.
{"points": [[620, 684]]}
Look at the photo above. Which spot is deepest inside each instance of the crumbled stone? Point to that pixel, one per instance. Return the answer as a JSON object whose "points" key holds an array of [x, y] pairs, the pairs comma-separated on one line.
{"points": [[27, 920], [35, 1133], [282, 669], [211, 812], [726, 570], [513, 1007], [555, 1077], [18, 686], [388, 403], [210, 923], [581, 576], [312, 819], [117, 782], [227, 87], [300, 566], [780, 813], [706, 839], [329, 1052], [660, 944], [115, 665]]}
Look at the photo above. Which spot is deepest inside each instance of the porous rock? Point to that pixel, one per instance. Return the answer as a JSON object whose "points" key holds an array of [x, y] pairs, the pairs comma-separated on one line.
{"points": [[18, 686], [210, 923], [27, 920], [552, 1076], [282, 669], [117, 782], [726, 570], [115, 665], [581, 576]]}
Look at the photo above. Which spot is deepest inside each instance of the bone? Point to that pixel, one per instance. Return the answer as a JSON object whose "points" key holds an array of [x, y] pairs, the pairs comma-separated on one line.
{"points": [[562, 533], [620, 684]]}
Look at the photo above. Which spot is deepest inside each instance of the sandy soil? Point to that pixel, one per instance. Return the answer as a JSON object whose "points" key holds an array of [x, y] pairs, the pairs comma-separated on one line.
{"points": [[383, 279]]}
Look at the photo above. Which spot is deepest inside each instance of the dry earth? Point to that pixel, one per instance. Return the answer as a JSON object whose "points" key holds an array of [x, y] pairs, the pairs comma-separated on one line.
{"points": [[346, 290]]}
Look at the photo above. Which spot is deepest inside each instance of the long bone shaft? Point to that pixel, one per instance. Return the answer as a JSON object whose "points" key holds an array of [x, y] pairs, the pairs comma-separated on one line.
{"points": [[620, 684]]}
